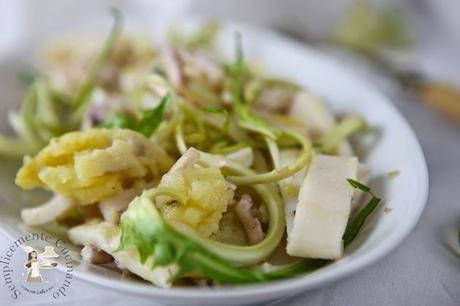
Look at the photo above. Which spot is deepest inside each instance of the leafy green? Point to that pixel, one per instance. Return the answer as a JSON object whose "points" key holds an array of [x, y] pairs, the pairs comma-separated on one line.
{"points": [[246, 118], [354, 227], [146, 125]]}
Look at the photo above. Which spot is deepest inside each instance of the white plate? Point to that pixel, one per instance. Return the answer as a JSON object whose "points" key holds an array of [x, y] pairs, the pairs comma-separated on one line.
{"points": [[396, 149]]}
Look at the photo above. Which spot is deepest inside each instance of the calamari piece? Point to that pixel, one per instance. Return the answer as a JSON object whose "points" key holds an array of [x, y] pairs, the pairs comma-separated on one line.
{"points": [[316, 117], [290, 186], [251, 224], [112, 207], [94, 255], [244, 156], [323, 208], [53, 209], [311, 110], [94, 165], [106, 237], [200, 64], [275, 99]]}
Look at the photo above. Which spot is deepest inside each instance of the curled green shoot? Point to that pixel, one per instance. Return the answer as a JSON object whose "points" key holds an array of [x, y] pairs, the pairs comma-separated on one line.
{"points": [[281, 173]]}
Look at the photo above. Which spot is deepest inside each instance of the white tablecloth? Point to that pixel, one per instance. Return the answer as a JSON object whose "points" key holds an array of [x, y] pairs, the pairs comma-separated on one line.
{"points": [[422, 271]]}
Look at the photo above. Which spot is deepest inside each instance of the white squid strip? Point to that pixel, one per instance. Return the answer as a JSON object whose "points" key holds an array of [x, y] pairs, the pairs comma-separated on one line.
{"points": [[55, 207], [323, 208], [106, 237]]}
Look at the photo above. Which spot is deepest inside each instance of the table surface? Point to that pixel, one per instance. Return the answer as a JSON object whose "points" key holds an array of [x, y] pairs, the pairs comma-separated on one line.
{"points": [[422, 270]]}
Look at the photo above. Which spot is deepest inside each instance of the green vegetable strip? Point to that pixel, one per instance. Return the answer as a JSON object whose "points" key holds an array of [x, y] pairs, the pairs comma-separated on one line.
{"points": [[14, 147], [46, 111], [282, 173], [221, 111], [246, 118], [330, 142], [274, 152], [305, 266], [23, 122], [190, 112], [354, 227], [219, 148], [86, 88]]}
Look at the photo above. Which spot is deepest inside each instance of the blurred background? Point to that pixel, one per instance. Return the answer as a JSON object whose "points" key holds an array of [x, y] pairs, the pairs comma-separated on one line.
{"points": [[407, 48], [421, 38]]}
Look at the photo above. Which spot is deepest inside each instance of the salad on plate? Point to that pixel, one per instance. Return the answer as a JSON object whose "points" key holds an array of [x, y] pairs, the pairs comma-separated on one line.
{"points": [[185, 168]]}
